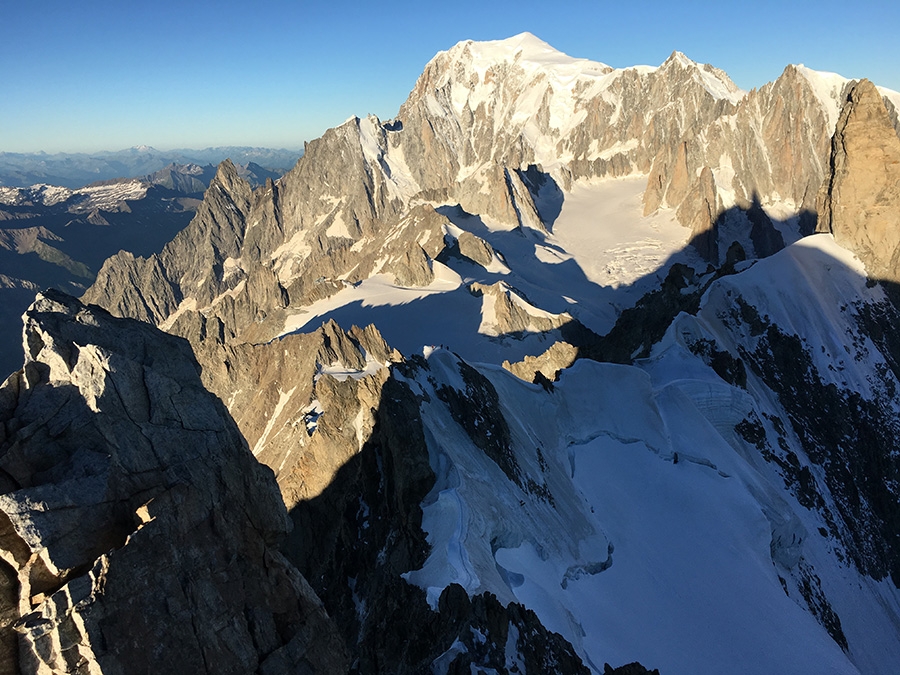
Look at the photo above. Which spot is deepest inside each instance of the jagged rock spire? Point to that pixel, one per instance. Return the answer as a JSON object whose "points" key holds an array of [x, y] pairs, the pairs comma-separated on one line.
{"points": [[859, 202]]}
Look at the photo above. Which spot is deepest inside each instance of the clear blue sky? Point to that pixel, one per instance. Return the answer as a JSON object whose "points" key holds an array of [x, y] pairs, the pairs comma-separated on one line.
{"points": [[96, 75]]}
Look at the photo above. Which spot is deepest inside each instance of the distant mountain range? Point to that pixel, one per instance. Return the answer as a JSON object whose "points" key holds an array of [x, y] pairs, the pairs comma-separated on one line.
{"points": [[79, 169], [58, 237]]}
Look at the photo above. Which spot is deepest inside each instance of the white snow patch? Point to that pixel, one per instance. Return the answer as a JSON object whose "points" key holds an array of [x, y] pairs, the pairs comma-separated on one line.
{"points": [[230, 267], [340, 372], [311, 415], [283, 398], [377, 290], [186, 305], [827, 88], [338, 228]]}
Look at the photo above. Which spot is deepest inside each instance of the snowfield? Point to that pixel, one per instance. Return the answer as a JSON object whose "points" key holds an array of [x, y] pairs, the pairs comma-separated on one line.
{"points": [[600, 257], [667, 538]]}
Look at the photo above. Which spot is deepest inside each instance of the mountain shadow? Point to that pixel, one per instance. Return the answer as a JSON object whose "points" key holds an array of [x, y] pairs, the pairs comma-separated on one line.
{"points": [[355, 561], [642, 325], [355, 540], [849, 440]]}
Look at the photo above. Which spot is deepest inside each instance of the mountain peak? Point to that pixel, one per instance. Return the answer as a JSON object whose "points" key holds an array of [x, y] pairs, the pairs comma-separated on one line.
{"points": [[524, 48], [226, 171], [680, 58], [714, 80], [528, 45]]}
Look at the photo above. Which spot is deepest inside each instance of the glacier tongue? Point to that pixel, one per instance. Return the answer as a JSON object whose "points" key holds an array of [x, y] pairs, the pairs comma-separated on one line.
{"points": [[636, 524]]}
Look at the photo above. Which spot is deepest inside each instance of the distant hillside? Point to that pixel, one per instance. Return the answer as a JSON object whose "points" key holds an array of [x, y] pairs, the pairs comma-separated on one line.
{"points": [[79, 169]]}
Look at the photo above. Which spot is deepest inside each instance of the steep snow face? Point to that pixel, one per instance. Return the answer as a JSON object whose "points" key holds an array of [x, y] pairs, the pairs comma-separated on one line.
{"points": [[530, 51], [621, 516], [816, 392], [521, 82], [828, 87], [675, 512], [372, 140]]}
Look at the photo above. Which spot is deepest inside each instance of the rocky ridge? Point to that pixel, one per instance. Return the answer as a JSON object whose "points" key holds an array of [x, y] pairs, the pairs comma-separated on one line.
{"points": [[53, 237], [499, 129], [133, 508]]}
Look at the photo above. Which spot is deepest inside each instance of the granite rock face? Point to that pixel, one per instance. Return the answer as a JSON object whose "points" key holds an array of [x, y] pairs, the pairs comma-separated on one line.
{"points": [[150, 289], [501, 130], [773, 142], [859, 202], [312, 402], [772, 147], [545, 367], [138, 532], [505, 311]]}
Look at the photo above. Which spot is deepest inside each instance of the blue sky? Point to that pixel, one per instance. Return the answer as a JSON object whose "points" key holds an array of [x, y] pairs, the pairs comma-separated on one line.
{"points": [[95, 75]]}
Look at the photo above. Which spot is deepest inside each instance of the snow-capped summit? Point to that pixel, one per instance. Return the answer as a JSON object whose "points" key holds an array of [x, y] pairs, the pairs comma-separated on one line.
{"points": [[831, 89], [525, 49]]}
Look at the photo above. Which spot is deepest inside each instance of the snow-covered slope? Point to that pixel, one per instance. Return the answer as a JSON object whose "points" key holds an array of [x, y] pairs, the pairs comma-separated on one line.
{"points": [[107, 197], [632, 509], [830, 89]]}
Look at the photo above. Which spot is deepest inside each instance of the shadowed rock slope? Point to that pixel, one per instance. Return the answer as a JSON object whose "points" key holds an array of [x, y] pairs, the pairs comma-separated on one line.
{"points": [[137, 532]]}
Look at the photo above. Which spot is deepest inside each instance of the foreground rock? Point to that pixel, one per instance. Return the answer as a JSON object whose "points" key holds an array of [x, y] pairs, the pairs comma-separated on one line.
{"points": [[136, 527]]}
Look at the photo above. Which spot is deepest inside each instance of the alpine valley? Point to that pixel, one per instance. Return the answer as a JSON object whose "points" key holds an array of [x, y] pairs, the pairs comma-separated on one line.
{"points": [[564, 369]]}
